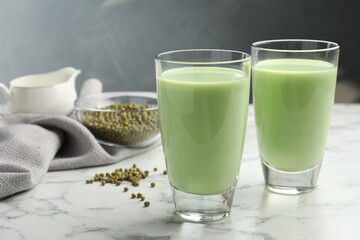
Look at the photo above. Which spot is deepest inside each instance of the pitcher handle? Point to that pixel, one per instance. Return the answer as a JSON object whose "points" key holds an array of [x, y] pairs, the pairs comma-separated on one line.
{"points": [[6, 92]]}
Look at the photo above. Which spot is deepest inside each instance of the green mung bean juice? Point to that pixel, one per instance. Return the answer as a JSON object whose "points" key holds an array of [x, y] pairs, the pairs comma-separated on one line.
{"points": [[293, 102], [203, 115]]}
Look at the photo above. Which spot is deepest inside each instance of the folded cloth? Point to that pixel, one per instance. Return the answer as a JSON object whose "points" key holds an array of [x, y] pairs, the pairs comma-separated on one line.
{"points": [[32, 144]]}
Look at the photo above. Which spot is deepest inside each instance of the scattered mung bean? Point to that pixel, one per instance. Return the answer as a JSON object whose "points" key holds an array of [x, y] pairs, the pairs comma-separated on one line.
{"points": [[133, 175]]}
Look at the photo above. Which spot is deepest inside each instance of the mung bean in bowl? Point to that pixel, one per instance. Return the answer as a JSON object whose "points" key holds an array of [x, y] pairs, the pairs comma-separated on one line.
{"points": [[120, 118]]}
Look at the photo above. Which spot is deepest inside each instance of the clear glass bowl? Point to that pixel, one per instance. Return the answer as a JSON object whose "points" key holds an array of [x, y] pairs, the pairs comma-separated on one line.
{"points": [[120, 118]]}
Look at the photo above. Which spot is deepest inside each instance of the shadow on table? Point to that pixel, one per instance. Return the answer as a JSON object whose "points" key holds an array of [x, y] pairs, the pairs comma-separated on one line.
{"points": [[283, 216]]}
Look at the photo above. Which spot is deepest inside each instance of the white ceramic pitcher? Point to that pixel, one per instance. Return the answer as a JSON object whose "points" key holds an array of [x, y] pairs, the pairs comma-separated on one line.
{"points": [[51, 93]]}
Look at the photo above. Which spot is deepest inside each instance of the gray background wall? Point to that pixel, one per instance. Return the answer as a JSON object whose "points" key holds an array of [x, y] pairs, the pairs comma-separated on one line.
{"points": [[116, 40]]}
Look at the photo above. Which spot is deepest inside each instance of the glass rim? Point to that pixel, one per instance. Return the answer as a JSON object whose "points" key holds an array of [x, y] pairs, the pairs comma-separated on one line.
{"points": [[79, 104], [258, 45], [240, 60]]}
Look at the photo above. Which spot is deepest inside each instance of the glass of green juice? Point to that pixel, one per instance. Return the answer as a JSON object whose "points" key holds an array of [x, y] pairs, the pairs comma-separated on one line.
{"points": [[203, 98], [293, 91]]}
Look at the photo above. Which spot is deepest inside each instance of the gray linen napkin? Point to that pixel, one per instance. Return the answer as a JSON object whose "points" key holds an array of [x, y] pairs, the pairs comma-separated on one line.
{"points": [[32, 144]]}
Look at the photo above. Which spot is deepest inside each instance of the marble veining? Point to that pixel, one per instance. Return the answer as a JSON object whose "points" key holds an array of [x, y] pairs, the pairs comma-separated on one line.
{"points": [[62, 206]]}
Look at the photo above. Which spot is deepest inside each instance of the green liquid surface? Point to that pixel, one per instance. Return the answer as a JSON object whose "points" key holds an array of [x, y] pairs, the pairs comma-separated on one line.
{"points": [[293, 101], [203, 115]]}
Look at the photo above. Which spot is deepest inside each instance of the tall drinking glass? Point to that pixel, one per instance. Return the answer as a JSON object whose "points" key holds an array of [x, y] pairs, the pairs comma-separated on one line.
{"points": [[203, 100], [294, 86]]}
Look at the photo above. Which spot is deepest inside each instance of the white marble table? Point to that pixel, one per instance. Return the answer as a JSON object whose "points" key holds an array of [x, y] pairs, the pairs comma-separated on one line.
{"points": [[63, 207]]}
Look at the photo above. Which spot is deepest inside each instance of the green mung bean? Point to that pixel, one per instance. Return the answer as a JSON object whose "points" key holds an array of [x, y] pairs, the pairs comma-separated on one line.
{"points": [[132, 175], [127, 124]]}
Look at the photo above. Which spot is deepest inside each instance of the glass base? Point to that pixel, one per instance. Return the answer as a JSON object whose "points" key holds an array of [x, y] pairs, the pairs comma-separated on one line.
{"points": [[202, 208], [290, 183]]}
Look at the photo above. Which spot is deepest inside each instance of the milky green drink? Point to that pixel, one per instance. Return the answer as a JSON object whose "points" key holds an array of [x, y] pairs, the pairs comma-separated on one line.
{"points": [[203, 115], [293, 101]]}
